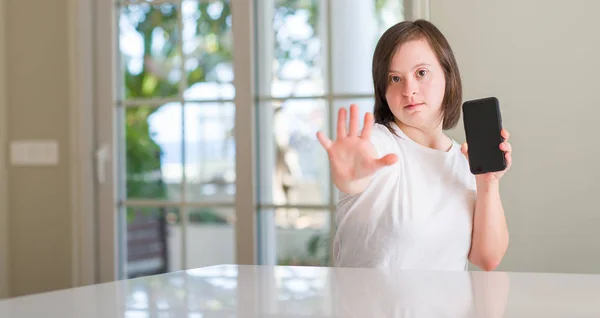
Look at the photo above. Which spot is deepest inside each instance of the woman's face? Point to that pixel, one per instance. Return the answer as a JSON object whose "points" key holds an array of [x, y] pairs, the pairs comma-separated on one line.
{"points": [[416, 86]]}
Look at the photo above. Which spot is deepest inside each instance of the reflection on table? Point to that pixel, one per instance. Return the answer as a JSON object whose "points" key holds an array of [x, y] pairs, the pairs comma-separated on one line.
{"points": [[280, 291]]}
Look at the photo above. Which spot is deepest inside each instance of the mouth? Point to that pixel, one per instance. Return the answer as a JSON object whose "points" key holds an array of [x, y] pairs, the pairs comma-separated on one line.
{"points": [[413, 106]]}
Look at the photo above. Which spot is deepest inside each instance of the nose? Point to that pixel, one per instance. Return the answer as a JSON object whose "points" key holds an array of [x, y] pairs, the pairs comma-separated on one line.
{"points": [[410, 87]]}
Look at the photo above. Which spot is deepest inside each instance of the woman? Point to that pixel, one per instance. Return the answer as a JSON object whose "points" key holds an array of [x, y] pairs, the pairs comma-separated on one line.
{"points": [[408, 199]]}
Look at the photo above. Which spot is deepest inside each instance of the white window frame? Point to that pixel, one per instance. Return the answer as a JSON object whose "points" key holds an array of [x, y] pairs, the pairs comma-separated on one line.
{"points": [[104, 262], [81, 142], [104, 83]]}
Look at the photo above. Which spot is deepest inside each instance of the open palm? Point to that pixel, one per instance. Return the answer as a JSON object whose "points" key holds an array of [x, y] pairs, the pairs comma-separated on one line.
{"points": [[352, 156]]}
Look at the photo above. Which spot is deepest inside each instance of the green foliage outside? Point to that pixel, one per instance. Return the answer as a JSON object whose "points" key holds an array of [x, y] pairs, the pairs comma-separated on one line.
{"points": [[155, 80]]}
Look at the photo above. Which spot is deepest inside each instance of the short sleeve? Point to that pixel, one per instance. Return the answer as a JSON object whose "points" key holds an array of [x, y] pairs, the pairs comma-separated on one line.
{"points": [[382, 139]]}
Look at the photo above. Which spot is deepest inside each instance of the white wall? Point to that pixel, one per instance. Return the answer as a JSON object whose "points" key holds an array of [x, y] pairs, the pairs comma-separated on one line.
{"points": [[540, 58]]}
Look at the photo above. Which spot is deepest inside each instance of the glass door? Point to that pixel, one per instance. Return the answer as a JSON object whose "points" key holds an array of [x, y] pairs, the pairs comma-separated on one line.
{"points": [[175, 142]]}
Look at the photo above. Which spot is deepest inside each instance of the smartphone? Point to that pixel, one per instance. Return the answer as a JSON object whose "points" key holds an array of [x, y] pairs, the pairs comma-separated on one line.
{"points": [[483, 123]]}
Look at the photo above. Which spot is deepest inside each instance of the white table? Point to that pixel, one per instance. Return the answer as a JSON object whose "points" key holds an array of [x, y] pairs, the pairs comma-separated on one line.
{"points": [[261, 291]]}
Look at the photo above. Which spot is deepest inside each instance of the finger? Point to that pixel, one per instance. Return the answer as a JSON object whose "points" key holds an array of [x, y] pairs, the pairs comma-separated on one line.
{"points": [[506, 147], [366, 132], [353, 120], [504, 133], [325, 142], [341, 124], [387, 160], [508, 160]]}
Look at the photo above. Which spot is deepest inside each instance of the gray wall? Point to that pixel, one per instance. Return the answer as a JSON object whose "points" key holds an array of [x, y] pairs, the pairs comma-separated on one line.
{"points": [[540, 58], [37, 100]]}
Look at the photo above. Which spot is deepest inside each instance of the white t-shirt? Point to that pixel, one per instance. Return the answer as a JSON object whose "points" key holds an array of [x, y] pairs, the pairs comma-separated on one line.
{"points": [[415, 214]]}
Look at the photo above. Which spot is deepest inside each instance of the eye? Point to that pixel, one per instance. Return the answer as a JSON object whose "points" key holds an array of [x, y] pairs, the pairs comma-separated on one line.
{"points": [[422, 73], [395, 79]]}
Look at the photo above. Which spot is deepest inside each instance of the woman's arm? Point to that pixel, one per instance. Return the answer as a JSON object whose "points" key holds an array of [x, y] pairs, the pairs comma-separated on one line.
{"points": [[490, 233]]}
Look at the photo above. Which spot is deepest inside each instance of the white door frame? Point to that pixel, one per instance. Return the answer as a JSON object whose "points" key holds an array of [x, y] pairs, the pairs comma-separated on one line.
{"points": [[4, 235], [105, 49], [243, 17], [81, 142]]}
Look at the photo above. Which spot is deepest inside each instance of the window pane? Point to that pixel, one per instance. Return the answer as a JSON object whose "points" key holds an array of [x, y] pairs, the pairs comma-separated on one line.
{"points": [[150, 58], [149, 244], [293, 166], [207, 46], [387, 13], [302, 237], [291, 57], [210, 152], [353, 43], [153, 152], [210, 237]]}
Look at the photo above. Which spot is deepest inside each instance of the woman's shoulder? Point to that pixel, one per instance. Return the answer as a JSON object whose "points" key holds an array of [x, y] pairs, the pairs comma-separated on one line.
{"points": [[383, 139], [381, 132], [380, 128], [462, 165]]}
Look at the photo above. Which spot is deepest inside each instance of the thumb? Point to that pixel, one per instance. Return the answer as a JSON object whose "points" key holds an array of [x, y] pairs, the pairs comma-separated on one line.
{"points": [[387, 160]]}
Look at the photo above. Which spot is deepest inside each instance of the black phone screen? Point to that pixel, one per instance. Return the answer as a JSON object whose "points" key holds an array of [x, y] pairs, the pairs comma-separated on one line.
{"points": [[483, 123]]}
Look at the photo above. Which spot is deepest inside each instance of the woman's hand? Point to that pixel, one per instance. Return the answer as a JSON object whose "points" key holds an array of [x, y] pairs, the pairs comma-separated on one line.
{"points": [[352, 156]]}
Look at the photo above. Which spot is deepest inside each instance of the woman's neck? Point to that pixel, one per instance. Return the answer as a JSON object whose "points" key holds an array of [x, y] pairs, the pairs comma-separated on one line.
{"points": [[428, 137]]}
